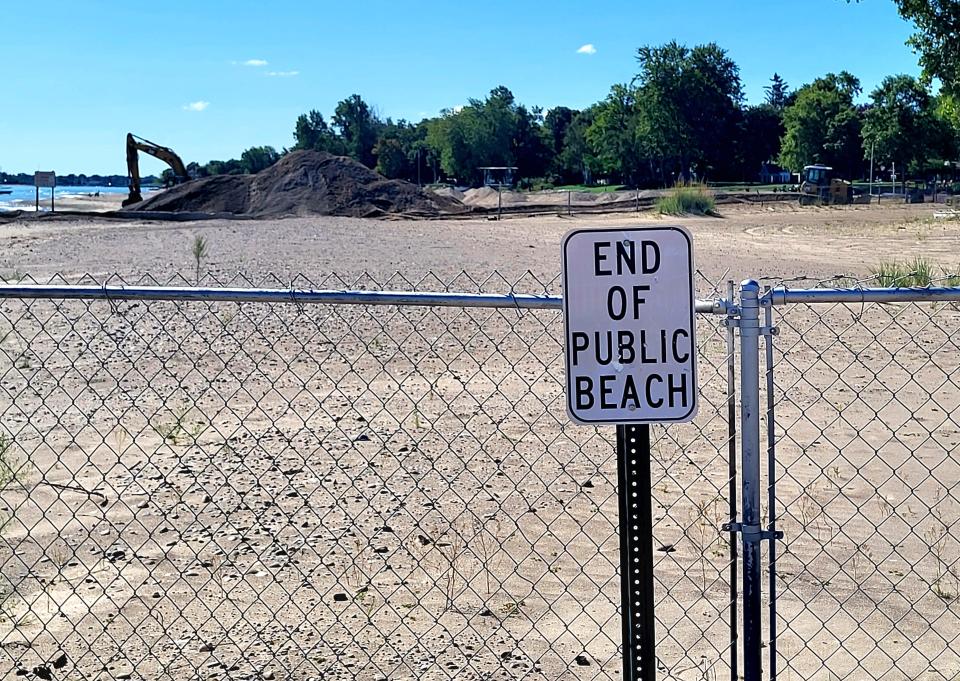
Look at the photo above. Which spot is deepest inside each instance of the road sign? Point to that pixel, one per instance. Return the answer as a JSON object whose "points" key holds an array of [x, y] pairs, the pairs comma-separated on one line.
{"points": [[628, 303], [44, 179]]}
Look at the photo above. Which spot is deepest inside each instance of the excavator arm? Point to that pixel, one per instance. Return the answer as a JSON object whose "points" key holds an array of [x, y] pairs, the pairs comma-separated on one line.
{"points": [[167, 155]]}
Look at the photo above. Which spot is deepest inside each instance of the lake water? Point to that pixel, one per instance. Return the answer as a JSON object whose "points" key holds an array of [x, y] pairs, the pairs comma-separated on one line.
{"points": [[25, 192]]}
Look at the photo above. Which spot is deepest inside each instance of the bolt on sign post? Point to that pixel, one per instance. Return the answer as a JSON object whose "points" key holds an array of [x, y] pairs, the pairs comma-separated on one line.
{"points": [[630, 349], [45, 179]]}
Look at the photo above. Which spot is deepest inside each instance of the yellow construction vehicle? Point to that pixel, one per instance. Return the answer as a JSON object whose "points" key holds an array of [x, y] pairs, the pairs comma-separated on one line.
{"points": [[165, 154], [821, 186]]}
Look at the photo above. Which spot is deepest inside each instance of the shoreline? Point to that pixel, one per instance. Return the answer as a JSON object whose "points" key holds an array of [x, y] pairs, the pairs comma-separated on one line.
{"points": [[71, 202]]}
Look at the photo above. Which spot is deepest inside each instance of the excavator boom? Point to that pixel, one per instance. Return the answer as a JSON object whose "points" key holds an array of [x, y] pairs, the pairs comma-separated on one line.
{"points": [[166, 154]]}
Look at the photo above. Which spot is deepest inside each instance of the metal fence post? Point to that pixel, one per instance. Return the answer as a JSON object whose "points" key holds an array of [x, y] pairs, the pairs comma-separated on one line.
{"points": [[732, 482], [750, 475], [772, 533]]}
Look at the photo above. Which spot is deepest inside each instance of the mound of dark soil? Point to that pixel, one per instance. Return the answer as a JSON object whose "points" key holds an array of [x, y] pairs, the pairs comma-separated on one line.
{"points": [[304, 183]]}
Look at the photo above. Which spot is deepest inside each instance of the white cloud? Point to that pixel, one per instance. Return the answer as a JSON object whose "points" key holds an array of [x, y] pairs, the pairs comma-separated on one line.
{"points": [[255, 62], [196, 106], [587, 49], [458, 108], [283, 74]]}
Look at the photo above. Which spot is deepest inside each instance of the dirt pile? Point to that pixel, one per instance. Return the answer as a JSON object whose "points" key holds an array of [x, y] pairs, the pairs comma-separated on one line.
{"points": [[304, 183]]}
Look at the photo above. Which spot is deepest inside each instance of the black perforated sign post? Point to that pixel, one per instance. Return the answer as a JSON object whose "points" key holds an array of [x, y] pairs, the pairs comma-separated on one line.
{"points": [[636, 552]]}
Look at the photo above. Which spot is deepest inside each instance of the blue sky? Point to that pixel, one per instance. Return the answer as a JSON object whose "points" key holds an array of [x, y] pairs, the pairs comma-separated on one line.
{"points": [[79, 75]]}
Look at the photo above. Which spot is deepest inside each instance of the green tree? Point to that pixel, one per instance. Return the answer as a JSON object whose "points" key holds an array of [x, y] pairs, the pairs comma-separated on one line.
{"points": [[230, 167], [947, 108], [556, 122], [612, 134], [689, 107], [399, 148], [358, 128], [530, 143], [760, 136], [823, 126], [902, 125], [937, 38], [312, 132], [256, 159], [577, 161], [777, 93], [495, 131]]}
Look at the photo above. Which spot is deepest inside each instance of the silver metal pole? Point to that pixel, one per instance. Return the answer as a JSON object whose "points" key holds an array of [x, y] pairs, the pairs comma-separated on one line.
{"points": [[872, 145], [784, 296], [732, 485], [771, 486], [750, 476]]}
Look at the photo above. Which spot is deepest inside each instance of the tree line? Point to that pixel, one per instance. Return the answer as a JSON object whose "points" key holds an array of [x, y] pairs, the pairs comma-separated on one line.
{"points": [[682, 116]]}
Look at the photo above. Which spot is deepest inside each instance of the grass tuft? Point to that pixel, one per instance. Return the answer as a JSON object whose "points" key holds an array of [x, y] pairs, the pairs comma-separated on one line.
{"points": [[918, 272], [693, 198]]}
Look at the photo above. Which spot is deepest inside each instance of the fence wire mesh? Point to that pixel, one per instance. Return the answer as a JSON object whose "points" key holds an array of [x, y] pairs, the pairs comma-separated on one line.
{"points": [[199, 490], [866, 399]]}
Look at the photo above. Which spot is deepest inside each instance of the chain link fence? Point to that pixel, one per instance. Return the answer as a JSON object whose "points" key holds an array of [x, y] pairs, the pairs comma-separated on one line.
{"points": [[866, 397], [218, 490]]}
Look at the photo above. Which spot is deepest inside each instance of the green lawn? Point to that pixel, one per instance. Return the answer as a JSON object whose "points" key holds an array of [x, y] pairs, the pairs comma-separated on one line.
{"points": [[603, 188], [734, 187]]}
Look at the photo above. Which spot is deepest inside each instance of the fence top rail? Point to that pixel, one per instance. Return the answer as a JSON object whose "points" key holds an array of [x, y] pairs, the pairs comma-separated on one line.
{"points": [[519, 301], [782, 295]]}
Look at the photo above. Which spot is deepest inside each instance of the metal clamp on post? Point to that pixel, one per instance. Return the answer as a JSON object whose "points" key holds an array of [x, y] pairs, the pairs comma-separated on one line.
{"points": [[752, 533], [734, 323]]}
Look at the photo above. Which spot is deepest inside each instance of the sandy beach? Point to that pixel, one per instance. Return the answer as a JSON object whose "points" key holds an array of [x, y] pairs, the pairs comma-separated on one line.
{"points": [[374, 493]]}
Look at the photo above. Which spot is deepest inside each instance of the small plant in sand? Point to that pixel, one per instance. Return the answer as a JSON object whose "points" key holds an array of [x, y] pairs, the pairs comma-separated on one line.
{"points": [[11, 605], [176, 428], [488, 543], [199, 253], [60, 555], [453, 550], [703, 531], [947, 583], [356, 577], [367, 603]]}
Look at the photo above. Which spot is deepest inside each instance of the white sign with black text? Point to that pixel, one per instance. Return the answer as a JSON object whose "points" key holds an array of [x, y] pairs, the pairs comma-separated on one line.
{"points": [[628, 307]]}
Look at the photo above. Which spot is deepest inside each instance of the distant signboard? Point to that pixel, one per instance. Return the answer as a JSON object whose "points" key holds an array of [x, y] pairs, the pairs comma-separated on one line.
{"points": [[628, 303], [45, 179]]}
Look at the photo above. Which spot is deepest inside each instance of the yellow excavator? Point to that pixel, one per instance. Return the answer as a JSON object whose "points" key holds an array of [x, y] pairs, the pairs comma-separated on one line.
{"points": [[165, 154]]}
